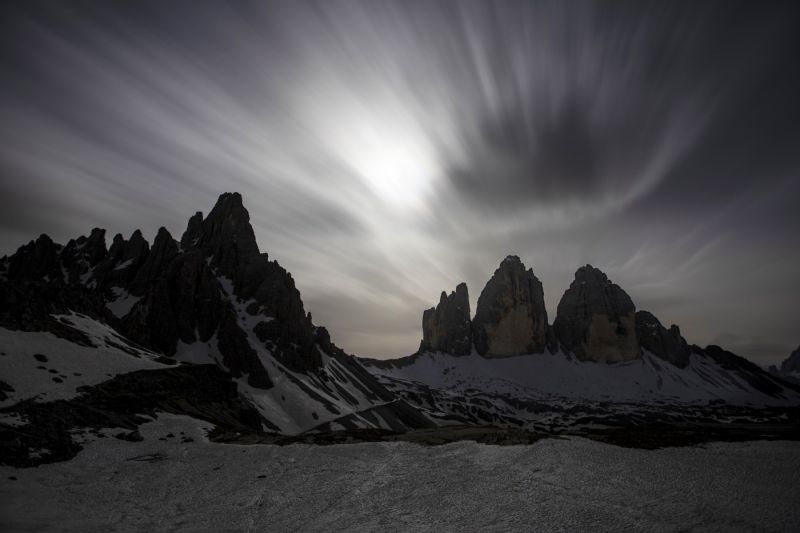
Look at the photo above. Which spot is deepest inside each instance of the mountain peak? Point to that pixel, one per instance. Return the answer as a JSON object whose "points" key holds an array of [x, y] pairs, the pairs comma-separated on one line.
{"points": [[194, 231], [596, 319], [162, 235], [446, 328], [36, 259], [792, 363], [230, 203], [225, 235], [590, 274], [510, 318], [668, 344]]}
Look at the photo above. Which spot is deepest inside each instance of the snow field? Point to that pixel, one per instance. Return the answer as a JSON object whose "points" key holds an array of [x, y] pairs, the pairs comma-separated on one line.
{"points": [[553, 485]]}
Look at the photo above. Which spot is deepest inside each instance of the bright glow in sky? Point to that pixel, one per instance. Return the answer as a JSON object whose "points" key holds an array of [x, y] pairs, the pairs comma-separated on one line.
{"points": [[397, 165]]}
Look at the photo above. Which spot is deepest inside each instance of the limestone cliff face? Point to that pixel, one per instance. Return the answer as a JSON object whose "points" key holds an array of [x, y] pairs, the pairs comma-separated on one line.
{"points": [[447, 327], [596, 319], [668, 344], [510, 318]]}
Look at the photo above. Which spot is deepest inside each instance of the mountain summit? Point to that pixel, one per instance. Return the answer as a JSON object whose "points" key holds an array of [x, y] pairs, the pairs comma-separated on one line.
{"points": [[213, 298], [596, 319], [510, 318]]}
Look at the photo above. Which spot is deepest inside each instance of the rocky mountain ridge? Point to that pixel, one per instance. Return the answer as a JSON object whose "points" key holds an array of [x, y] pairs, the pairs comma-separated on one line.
{"points": [[86, 331], [789, 369], [601, 364], [447, 327], [596, 320], [210, 298]]}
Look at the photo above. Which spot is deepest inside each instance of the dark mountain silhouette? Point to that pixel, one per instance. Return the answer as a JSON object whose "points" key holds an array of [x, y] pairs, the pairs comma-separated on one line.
{"points": [[210, 298], [210, 327]]}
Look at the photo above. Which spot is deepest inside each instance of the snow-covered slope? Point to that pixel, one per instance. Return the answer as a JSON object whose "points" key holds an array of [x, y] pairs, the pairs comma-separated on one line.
{"points": [[43, 367], [547, 391], [298, 401], [556, 376], [38, 365]]}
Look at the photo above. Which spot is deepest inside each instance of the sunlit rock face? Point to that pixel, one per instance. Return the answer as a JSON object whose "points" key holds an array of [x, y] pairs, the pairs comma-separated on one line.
{"points": [[447, 327], [596, 319], [510, 318], [668, 344]]}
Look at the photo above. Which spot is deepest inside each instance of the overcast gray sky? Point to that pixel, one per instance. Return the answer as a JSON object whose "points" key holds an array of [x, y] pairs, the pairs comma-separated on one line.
{"points": [[388, 150]]}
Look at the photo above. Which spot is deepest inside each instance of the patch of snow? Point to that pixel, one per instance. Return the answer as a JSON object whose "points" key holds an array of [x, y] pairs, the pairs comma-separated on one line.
{"points": [[288, 403], [199, 353], [68, 365], [124, 265], [86, 275], [552, 376], [122, 303], [12, 419]]}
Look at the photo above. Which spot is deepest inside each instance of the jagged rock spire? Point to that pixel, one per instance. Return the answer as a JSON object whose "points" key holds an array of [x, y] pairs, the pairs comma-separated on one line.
{"points": [[447, 328], [95, 247], [225, 235], [123, 260], [668, 344], [511, 318], [596, 319], [161, 254], [34, 260], [194, 232], [791, 365]]}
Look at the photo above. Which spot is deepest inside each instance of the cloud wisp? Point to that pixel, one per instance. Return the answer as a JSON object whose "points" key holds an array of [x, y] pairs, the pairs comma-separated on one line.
{"points": [[387, 151]]}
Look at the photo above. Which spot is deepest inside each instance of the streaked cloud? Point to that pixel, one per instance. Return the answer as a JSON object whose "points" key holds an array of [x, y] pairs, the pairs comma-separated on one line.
{"points": [[389, 150]]}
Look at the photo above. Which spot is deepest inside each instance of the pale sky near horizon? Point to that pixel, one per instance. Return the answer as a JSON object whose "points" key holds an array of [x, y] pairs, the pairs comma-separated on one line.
{"points": [[387, 151]]}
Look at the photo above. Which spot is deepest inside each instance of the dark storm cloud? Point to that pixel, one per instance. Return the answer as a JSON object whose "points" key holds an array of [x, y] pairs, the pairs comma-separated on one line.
{"points": [[389, 150], [629, 91]]}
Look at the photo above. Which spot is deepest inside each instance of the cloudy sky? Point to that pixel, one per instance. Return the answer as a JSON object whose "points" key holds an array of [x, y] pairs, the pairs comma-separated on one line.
{"points": [[388, 150]]}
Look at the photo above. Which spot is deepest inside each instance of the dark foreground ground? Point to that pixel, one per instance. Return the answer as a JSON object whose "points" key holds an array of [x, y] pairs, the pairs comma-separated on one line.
{"points": [[648, 438], [175, 479]]}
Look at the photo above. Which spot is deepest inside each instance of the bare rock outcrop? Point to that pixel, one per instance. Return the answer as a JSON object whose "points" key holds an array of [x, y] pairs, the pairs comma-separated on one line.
{"points": [[123, 260], [447, 327], [667, 344], [35, 260], [225, 236], [596, 319], [789, 369], [791, 365], [510, 318]]}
